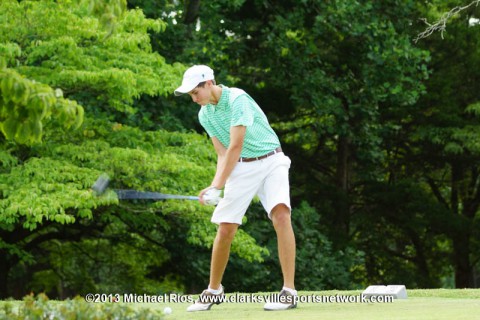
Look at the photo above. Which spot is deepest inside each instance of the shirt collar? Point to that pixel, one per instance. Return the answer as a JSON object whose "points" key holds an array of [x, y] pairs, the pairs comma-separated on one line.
{"points": [[222, 102]]}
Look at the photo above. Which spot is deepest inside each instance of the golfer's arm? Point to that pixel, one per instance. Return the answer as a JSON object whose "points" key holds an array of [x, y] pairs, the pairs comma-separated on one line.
{"points": [[228, 157], [221, 150]]}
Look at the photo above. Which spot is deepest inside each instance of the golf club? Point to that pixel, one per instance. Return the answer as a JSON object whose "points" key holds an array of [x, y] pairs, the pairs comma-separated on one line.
{"points": [[102, 182]]}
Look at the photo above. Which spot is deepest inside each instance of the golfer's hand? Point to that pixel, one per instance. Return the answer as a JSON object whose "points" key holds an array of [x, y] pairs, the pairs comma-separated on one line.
{"points": [[200, 195], [209, 196]]}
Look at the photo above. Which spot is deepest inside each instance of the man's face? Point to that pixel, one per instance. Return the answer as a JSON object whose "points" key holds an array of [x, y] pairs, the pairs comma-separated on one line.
{"points": [[201, 95]]}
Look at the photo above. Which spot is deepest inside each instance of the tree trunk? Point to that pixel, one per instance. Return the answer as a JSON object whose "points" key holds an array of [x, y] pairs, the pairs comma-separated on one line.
{"points": [[425, 280], [462, 232], [342, 206], [463, 267], [4, 269], [192, 11]]}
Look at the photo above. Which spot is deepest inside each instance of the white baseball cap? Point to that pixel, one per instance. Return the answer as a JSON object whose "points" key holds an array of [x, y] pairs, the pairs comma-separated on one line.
{"points": [[192, 77]]}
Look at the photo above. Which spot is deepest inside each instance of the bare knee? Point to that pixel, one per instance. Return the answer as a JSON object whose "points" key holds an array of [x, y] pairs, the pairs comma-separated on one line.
{"points": [[281, 215], [226, 231]]}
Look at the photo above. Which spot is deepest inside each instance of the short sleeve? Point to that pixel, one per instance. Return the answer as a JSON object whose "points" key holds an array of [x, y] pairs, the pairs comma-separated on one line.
{"points": [[242, 113]]}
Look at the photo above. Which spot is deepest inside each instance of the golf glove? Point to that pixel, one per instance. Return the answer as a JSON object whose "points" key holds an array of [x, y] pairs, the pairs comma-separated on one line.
{"points": [[212, 196]]}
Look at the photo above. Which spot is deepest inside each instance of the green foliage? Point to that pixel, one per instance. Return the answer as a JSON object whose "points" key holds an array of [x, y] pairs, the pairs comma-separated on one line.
{"points": [[318, 265], [40, 307], [321, 264], [123, 242], [7, 160], [8, 53], [97, 54], [388, 174], [362, 68], [104, 264], [108, 11], [355, 104], [26, 105], [63, 46], [32, 197], [444, 137], [403, 231]]}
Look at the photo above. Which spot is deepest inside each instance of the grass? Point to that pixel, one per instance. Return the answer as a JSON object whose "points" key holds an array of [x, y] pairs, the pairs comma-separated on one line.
{"points": [[435, 304]]}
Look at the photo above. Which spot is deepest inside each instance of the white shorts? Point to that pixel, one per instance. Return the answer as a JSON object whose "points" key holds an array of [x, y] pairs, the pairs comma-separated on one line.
{"points": [[267, 178]]}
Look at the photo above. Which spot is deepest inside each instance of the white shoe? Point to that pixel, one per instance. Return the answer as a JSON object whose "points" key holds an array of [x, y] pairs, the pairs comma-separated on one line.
{"points": [[283, 301], [206, 300]]}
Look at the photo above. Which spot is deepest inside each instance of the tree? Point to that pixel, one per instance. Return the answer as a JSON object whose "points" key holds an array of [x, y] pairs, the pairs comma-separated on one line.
{"points": [[341, 83], [361, 69], [51, 224], [325, 72], [445, 138]]}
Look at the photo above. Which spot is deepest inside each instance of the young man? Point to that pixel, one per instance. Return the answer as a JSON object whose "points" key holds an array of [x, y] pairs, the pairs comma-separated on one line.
{"points": [[250, 162]]}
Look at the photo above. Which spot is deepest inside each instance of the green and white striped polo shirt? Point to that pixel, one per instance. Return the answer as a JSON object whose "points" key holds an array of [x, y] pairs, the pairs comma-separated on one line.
{"points": [[237, 108]]}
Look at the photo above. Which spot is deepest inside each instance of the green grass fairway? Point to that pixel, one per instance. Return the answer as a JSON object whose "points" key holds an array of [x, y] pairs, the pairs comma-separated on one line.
{"points": [[434, 304]]}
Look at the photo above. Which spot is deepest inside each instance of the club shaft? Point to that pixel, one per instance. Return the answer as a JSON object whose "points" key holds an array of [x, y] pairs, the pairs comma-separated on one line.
{"points": [[134, 194]]}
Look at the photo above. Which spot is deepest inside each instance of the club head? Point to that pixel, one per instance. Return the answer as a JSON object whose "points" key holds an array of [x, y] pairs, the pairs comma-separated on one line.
{"points": [[101, 184]]}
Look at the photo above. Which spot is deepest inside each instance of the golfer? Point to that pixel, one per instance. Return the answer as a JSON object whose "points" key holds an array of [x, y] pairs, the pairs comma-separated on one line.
{"points": [[250, 162]]}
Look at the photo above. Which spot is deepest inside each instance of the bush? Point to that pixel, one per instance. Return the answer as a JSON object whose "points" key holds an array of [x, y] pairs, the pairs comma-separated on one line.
{"points": [[40, 308]]}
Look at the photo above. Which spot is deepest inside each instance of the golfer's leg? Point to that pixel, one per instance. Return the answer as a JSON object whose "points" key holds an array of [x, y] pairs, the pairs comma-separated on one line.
{"points": [[221, 252], [286, 243]]}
